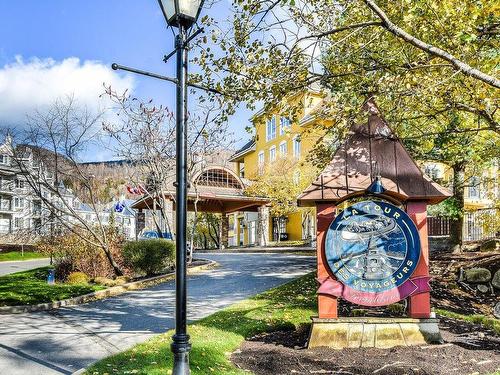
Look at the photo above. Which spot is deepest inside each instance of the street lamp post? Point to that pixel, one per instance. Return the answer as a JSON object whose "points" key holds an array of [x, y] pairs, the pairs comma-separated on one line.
{"points": [[181, 14]]}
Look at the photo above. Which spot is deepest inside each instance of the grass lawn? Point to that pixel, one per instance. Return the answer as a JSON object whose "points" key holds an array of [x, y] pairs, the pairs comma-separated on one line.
{"points": [[219, 334], [30, 287], [17, 255], [491, 323], [215, 337]]}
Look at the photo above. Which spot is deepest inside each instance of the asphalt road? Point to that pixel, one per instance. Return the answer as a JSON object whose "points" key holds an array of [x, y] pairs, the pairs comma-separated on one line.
{"points": [[23, 265], [63, 341]]}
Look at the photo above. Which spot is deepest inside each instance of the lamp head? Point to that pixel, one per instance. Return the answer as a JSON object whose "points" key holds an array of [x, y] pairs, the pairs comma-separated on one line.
{"points": [[181, 12]]}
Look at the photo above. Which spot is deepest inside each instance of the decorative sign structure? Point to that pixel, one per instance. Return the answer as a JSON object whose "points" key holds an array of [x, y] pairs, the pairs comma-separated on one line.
{"points": [[372, 252], [372, 249]]}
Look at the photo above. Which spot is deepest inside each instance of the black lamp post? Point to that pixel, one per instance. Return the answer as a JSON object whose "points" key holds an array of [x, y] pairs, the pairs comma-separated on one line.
{"points": [[181, 14]]}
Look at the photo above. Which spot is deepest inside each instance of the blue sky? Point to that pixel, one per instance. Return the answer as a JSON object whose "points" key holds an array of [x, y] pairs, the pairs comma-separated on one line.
{"points": [[130, 32]]}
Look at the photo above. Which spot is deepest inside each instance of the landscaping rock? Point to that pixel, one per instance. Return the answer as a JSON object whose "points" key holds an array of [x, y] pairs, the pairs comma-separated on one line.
{"points": [[477, 275], [496, 280], [496, 310], [490, 245], [482, 288]]}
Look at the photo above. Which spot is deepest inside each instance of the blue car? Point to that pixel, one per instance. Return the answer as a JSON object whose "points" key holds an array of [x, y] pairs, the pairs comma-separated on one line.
{"points": [[151, 234]]}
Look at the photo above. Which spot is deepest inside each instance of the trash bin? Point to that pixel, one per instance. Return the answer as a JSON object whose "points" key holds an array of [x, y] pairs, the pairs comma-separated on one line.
{"points": [[51, 277]]}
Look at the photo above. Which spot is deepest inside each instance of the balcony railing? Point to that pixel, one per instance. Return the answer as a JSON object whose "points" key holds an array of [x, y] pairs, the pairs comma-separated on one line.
{"points": [[5, 229], [6, 187], [5, 206]]}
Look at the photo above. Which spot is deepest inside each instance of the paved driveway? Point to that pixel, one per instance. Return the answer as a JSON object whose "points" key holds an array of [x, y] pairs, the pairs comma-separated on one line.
{"points": [[22, 265], [65, 340]]}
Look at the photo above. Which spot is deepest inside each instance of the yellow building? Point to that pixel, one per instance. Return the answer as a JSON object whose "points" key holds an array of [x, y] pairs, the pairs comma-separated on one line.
{"points": [[481, 191], [278, 136]]}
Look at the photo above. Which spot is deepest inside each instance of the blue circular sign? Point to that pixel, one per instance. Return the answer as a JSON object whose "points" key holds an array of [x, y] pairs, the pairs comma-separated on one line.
{"points": [[372, 246]]}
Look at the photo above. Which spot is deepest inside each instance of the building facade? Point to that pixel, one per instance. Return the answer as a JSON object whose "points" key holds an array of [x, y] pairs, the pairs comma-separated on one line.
{"points": [[24, 216], [279, 135]]}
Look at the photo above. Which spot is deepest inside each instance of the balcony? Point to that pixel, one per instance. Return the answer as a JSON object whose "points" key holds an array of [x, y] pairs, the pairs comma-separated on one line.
{"points": [[4, 229], [6, 188], [6, 206]]}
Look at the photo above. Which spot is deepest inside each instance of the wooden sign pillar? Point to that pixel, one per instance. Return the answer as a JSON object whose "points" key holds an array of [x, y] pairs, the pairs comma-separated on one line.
{"points": [[327, 304], [420, 304]]}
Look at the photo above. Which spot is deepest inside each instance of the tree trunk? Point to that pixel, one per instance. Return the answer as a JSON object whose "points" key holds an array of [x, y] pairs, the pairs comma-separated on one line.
{"points": [[278, 222], [456, 226], [205, 241], [116, 268], [214, 236]]}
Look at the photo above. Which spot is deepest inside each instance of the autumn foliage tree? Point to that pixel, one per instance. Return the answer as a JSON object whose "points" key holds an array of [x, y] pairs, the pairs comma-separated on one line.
{"points": [[432, 66], [282, 182]]}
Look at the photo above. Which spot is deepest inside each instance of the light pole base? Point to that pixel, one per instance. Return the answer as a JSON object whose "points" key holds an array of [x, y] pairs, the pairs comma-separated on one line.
{"points": [[181, 348]]}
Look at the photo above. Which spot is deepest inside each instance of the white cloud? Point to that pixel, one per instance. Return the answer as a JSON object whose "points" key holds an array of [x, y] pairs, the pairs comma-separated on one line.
{"points": [[29, 85]]}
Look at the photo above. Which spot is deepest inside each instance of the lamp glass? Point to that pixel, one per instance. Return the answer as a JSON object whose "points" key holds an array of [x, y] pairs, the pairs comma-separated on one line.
{"points": [[189, 8], [186, 11], [168, 7]]}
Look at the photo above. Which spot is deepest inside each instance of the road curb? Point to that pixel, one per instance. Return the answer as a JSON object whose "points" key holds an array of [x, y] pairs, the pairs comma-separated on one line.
{"points": [[110, 292]]}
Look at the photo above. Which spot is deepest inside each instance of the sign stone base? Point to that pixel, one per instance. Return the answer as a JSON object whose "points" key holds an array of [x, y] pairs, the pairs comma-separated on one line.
{"points": [[373, 332]]}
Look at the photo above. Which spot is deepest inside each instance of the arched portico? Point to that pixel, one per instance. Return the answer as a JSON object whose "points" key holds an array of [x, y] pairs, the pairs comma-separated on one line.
{"points": [[215, 189]]}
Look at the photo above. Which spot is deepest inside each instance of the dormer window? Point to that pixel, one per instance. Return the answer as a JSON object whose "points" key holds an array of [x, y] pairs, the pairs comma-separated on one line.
{"points": [[4, 159]]}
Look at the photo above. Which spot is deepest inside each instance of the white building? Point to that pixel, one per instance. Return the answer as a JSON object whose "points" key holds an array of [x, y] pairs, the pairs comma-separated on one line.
{"points": [[24, 215]]}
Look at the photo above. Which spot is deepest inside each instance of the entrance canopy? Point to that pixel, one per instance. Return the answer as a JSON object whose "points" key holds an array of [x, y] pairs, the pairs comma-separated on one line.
{"points": [[372, 150], [215, 189]]}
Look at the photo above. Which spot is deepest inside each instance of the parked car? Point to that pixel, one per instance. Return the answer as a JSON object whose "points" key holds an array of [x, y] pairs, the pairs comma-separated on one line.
{"points": [[152, 234]]}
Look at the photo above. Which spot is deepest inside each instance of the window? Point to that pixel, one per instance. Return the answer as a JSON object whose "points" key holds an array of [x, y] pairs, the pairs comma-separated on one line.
{"points": [[296, 177], [432, 171], [19, 184], [272, 154], [4, 159], [219, 178], [283, 149], [474, 188], [18, 202], [18, 223], [261, 161], [284, 124], [296, 147], [271, 128]]}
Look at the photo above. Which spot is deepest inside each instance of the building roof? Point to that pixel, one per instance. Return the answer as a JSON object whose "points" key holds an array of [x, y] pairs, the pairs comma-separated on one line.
{"points": [[372, 150], [247, 148], [215, 189]]}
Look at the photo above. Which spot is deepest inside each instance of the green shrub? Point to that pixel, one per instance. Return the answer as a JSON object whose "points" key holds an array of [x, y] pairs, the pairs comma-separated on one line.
{"points": [[104, 281], [63, 267], [77, 278], [149, 256], [120, 280]]}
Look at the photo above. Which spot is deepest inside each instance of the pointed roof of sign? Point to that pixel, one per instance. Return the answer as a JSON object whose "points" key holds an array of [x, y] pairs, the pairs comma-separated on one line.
{"points": [[372, 150]]}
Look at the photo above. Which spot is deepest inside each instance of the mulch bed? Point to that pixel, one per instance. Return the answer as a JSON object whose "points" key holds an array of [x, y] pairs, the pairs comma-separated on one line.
{"points": [[468, 348], [450, 294]]}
